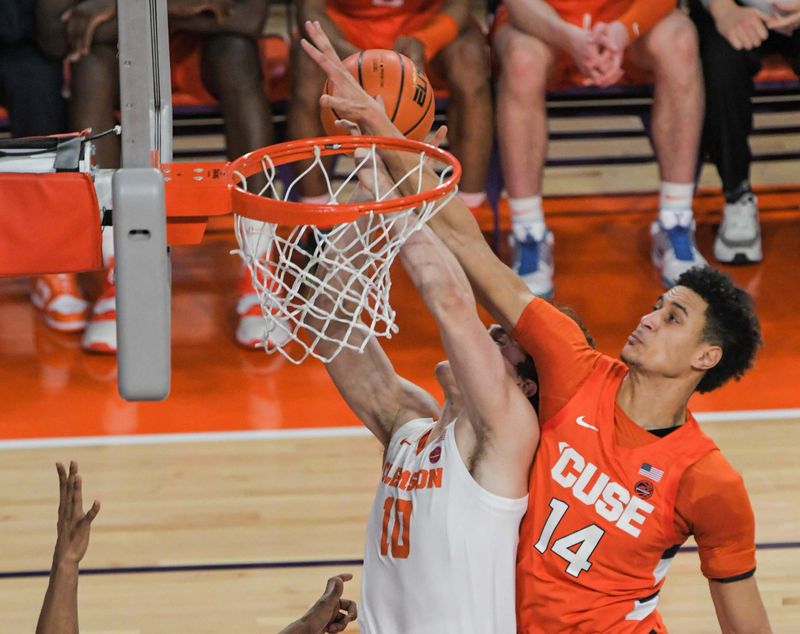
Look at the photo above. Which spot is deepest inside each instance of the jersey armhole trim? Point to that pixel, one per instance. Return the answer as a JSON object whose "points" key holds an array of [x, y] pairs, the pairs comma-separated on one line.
{"points": [[741, 577]]}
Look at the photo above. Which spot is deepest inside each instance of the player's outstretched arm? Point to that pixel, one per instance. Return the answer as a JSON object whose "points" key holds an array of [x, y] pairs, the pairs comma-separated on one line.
{"points": [[59, 613], [501, 417], [498, 289], [368, 382], [739, 607], [331, 613]]}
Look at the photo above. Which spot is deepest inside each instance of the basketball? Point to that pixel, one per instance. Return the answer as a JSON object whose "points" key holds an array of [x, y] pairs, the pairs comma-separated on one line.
{"points": [[407, 94]]}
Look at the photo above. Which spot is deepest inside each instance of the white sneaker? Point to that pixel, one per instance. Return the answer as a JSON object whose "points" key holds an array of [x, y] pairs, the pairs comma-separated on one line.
{"points": [[533, 262], [739, 236], [254, 330], [674, 251], [100, 335]]}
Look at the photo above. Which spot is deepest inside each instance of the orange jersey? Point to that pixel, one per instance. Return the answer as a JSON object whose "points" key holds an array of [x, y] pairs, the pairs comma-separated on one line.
{"points": [[610, 503], [381, 9]]}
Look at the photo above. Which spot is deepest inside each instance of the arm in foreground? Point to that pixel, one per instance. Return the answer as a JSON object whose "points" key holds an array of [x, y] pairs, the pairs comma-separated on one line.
{"points": [[498, 411], [498, 288], [59, 614]]}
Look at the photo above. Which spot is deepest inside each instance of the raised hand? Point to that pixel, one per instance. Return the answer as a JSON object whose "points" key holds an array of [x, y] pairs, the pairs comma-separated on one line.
{"points": [[350, 101], [73, 524], [81, 22], [331, 613]]}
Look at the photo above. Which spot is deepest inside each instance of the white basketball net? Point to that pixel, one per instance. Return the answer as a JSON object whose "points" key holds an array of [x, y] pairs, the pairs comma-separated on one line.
{"points": [[322, 291]]}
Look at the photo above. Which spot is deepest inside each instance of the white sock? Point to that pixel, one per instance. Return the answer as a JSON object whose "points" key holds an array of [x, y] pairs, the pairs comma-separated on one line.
{"points": [[472, 199], [322, 199], [527, 218], [675, 204], [107, 246]]}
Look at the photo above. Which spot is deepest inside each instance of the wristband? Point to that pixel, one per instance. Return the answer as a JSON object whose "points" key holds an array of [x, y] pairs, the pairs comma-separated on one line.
{"points": [[437, 34]]}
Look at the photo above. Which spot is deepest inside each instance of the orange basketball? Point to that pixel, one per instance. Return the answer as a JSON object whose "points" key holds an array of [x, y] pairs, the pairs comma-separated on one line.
{"points": [[407, 94]]}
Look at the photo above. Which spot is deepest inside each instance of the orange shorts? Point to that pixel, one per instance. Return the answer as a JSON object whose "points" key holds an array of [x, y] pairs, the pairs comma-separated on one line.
{"points": [[565, 73], [187, 82], [367, 33]]}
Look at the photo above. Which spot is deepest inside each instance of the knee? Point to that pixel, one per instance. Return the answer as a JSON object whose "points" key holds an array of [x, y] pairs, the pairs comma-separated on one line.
{"points": [[675, 46], [230, 65], [468, 74], [523, 69]]}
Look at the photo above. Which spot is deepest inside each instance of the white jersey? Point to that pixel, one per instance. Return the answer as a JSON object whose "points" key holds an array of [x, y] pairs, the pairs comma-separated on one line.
{"points": [[440, 550]]}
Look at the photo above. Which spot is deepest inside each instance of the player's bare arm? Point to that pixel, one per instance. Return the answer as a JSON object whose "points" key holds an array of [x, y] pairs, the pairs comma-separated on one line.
{"points": [[739, 607], [498, 440], [243, 17], [59, 614], [314, 11], [498, 289]]}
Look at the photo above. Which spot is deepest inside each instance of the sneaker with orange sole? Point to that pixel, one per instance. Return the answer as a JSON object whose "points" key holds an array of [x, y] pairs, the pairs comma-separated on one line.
{"points": [[100, 335], [251, 331], [61, 302]]}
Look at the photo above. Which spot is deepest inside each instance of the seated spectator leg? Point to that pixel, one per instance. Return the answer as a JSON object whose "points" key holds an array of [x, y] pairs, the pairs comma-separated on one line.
{"points": [[32, 92], [525, 66], [304, 118], [670, 51], [728, 75], [231, 72], [95, 97], [464, 64]]}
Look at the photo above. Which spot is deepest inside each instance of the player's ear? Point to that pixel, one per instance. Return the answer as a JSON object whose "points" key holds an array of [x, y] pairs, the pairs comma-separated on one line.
{"points": [[529, 387], [707, 357]]}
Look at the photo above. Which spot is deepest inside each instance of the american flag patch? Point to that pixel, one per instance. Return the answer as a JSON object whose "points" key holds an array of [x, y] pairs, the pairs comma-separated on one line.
{"points": [[649, 471]]}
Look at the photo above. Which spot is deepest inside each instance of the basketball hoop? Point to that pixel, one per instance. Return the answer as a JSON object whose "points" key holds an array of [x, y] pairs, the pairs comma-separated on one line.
{"points": [[321, 272]]}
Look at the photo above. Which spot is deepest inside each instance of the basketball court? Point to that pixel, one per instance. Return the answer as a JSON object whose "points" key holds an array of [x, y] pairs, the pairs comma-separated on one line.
{"points": [[228, 505]]}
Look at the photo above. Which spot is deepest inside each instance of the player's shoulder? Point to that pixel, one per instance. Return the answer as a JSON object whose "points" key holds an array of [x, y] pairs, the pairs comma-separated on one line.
{"points": [[712, 476]]}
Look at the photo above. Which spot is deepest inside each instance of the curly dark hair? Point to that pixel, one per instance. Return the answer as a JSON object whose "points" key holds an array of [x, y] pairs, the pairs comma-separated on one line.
{"points": [[731, 324]]}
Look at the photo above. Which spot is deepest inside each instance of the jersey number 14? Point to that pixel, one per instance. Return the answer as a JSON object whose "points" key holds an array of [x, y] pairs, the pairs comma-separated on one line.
{"points": [[401, 525], [575, 548]]}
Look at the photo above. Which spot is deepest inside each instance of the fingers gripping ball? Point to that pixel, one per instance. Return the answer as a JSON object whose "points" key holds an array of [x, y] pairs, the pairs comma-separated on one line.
{"points": [[407, 94]]}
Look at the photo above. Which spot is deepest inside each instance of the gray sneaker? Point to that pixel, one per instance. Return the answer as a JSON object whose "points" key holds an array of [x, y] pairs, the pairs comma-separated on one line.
{"points": [[739, 236]]}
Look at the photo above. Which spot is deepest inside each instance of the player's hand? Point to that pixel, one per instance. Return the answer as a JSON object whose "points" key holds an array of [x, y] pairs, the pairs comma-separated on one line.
{"points": [[220, 9], [81, 22], [73, 524], [331, 613], [743, 27], [787, 20], [350, 101], [412, 48], [611, 40]]}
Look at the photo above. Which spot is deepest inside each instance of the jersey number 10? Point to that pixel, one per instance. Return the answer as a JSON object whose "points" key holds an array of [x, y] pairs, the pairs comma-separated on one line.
{"points": [[401, 538]]}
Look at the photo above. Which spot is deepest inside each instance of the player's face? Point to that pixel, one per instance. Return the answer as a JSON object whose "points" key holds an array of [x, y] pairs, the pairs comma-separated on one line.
{"points": [[667, 341]]}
